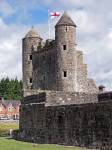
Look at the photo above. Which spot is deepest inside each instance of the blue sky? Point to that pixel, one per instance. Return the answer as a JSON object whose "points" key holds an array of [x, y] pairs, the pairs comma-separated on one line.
{"points": [[21, 14], [32, 11], [94, 32]]}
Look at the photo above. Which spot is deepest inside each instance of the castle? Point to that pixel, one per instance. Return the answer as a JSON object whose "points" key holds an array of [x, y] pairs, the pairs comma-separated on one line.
{"points": [[56, 65], [60, 103]]}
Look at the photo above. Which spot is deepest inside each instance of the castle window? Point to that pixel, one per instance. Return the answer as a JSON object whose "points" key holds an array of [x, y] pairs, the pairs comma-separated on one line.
{"points": [[30, 80], [64, 47], [66, 29], [30, 57], [65, 73]]}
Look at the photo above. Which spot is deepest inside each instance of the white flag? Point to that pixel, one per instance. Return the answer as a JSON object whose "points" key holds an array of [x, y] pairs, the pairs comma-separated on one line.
{"points": [[54, 14]]}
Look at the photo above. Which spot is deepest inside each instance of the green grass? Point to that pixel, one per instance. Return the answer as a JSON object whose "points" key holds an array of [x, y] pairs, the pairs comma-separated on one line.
{"points": [[10, 144], [6, 126]]}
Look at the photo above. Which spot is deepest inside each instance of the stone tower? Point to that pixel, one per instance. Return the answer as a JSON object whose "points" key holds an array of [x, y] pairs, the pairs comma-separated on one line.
{"points": [[65, 37], [29, 44]]}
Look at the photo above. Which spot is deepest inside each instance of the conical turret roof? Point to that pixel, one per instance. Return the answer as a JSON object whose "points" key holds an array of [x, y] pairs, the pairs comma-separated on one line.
{"points": [[65, 20], [32, 33]]}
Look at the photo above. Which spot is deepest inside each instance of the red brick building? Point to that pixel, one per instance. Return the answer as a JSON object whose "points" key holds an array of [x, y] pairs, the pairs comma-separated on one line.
{"points": [[9, 109]]}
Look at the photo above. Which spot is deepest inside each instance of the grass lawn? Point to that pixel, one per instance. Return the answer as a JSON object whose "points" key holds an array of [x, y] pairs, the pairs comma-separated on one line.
{"points": [[6, 126], [10, 144]]}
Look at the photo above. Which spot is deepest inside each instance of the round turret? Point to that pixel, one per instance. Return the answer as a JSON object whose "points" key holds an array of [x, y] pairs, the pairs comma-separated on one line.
{"points": [[30, 43], [65, 37]]}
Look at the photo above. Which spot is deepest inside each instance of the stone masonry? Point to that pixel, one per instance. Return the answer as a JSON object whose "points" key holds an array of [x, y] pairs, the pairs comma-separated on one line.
{"points": [[56, 65], [70, 123], [60, 103], [30, 42]]}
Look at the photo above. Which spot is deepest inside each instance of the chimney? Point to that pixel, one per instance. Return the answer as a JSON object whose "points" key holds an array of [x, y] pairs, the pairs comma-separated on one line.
{"points": [[101, 89]]}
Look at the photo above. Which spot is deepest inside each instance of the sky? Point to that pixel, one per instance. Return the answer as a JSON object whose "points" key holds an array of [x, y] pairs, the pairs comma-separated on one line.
{"points": [[94, 33]]}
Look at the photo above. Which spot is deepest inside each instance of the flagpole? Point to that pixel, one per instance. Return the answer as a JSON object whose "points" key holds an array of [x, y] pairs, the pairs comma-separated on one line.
{"points": [[48, 24]]}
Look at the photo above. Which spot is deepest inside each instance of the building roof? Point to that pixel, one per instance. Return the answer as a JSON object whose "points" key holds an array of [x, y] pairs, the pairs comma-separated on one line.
{"points": [[65, 20], [32, 33], [6, 103]]}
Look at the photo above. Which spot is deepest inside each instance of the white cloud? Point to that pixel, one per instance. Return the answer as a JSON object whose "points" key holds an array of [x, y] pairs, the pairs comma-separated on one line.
{"points": [[95, 39], [10, 49], [94, 35]]}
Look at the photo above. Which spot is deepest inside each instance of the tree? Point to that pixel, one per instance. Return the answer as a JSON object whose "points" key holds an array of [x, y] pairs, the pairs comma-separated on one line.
{"points": [[10, 88]]}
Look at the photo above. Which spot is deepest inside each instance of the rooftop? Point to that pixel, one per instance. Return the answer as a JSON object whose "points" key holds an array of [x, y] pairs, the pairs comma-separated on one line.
{"points": [[32, 33], [65, 20]]}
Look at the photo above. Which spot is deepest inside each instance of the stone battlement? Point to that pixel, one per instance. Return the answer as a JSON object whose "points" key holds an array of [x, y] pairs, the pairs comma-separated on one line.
{"points": [[53, 98], [105, 96]]}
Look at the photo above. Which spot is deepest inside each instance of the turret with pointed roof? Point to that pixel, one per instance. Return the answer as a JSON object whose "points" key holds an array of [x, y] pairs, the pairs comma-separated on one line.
{"points": [[66, 20], [32, 33], [65, 37], [30, 43]]}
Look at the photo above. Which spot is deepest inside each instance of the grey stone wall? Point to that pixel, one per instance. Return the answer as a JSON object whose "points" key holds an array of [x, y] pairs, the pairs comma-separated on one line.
{"points": [[44, 68], [88, 125], [55, 98], [49, 64], [65, 58], [71, 61], [82, 82]]}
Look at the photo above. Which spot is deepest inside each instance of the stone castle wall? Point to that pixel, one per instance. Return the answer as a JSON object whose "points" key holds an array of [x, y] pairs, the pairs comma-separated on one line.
{"points": [[87, 125], [55, 98], [44, 68], [83, 83]]}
